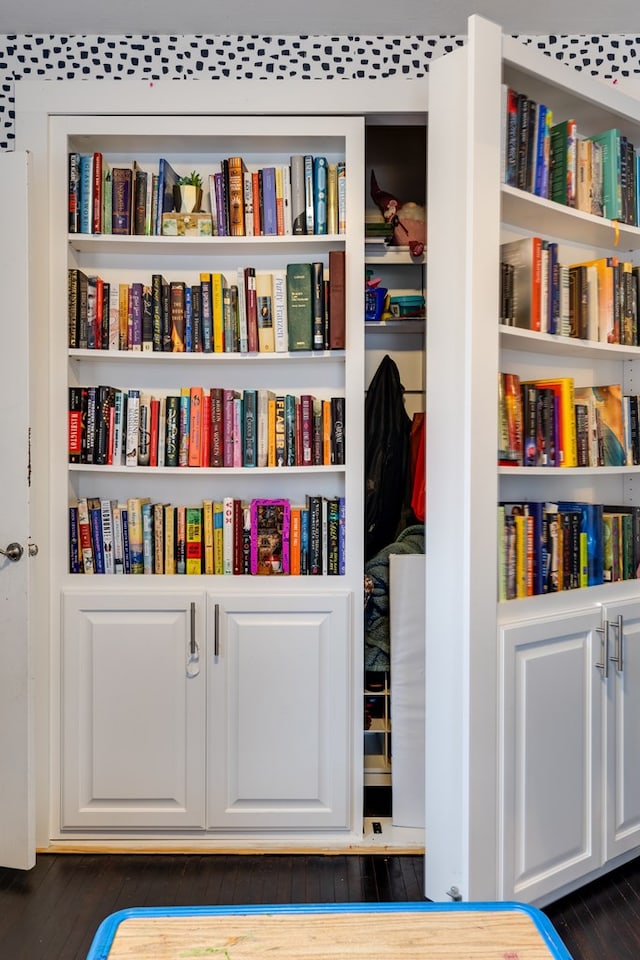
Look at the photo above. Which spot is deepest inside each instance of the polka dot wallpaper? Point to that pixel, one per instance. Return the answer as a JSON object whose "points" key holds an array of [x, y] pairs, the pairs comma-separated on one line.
{"points": [[255, 57]]}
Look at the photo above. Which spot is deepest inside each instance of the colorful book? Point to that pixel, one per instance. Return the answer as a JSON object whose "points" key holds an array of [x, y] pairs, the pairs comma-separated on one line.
{"points": [[269, 536]]}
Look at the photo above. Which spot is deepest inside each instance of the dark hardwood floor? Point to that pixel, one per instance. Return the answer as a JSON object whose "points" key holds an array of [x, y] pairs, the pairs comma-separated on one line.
{"points": [[52, 911]]}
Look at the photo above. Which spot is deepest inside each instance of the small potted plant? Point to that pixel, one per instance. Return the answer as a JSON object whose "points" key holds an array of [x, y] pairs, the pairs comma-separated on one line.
{"points": [[187, 193]]}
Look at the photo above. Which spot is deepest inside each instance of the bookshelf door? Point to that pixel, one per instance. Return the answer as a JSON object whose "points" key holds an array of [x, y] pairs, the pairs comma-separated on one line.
{"points": [[17, 836]]}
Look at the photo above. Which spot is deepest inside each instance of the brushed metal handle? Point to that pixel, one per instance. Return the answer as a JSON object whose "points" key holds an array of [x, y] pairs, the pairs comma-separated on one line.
{"points": [[603, 666], [13, 552], [193, 659], [618, 658]]}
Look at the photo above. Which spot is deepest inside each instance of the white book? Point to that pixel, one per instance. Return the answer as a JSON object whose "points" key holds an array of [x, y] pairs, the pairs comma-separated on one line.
{"points": [[118, 546], [243, 328], [107, 535], [262, 414], [593, 330], [133, 428], [227, 536], [280, 326], [147, 537], [119, 427], [247, 186]]}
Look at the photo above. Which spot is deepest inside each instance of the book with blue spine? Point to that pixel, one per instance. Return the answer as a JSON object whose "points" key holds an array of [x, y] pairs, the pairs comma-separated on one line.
{"points": [[320, 194], [167, 180]]}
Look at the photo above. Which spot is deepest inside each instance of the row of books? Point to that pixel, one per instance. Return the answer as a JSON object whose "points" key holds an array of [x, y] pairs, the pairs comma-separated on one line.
{"points": [[553, 423], [596, 174], [227, 537], [300, 306], [548, 547], [593, 300], [204, 427], [305, 196]]}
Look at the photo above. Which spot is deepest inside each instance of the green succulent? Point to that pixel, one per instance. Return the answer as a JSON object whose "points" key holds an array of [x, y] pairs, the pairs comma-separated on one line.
{"points": [[191, 179]]}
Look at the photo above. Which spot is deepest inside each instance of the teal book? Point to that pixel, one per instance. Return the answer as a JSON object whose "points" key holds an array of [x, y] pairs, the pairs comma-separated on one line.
{"points": [[611, 173]]}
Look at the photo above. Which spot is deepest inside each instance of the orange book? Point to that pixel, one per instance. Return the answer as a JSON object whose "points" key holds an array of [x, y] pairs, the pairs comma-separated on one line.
{"points": [[236, 196], [326, 432], [608, 320], [195, 427], [564, 390], [294, 541], [255, 183], [123, 311]]}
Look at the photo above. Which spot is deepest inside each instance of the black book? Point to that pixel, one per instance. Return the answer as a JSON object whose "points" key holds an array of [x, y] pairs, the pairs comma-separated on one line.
{"points": [[337, 430]]}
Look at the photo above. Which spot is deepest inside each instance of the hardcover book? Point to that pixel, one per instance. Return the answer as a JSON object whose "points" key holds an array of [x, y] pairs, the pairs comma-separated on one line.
{"points": [[300, 305], [269, 536]]}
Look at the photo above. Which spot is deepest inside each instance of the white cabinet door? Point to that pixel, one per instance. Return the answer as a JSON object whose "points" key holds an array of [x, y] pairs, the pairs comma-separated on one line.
{"points": [[550, 722], [132, 710], [278, 711], [622, 829], [17, 836]]}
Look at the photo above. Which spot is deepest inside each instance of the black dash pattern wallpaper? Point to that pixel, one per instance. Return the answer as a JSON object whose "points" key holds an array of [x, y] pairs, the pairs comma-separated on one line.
{"points": [[44, 57]]}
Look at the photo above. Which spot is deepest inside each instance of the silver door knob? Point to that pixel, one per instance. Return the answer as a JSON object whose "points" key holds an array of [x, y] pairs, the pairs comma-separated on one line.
{"points": [[13, 552]]}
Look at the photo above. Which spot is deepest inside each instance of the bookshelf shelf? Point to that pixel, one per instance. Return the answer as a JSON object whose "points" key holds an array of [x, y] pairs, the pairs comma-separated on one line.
{"points": [[529, 341], [239, 247], [198, 472]]}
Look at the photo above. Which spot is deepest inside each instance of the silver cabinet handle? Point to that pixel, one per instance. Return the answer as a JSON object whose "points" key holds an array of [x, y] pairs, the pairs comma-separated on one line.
{"points": [[193, 658], [617, 658], [603, 666]]}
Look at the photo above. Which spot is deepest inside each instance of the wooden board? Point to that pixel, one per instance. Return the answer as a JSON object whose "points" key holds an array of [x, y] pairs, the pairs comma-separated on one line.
{"points": [[331, 932]]}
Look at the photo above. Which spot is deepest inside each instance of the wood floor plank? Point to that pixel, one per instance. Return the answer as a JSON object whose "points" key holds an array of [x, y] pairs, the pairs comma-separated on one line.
{"points": [[53, 911]]}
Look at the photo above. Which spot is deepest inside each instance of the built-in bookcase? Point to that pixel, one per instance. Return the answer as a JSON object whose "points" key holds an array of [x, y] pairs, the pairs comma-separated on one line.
{"points": [[536, 695]]}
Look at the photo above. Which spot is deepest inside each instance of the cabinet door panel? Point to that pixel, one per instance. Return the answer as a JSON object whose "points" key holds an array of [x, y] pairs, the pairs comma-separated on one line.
{"points": [[278, 712], [550, 728], [133, 732], [623, 732]]}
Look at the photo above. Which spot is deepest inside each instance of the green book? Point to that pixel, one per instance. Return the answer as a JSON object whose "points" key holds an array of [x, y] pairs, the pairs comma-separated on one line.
{"points": [[300, 305], [563, 166], [611, 173]]}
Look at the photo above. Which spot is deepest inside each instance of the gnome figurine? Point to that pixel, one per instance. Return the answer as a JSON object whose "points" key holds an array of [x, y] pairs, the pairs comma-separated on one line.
{"points": [[408, 219]]}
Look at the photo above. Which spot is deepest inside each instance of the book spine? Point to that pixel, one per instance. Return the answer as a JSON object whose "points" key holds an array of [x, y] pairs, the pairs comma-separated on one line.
{"points": [[336, 299], [74, 542], [95, 519], [320, 195], [227, 536], [74, 193], [172, 433], [280, 323], [184, 427], [317, 322], [300, 306], [309, 205], [207, 538], [133, 428], [158, 538], [194, 540], [298, 208], [121, 190], [181, 540], [148, 546], [270, 225], [236, 196], [249, 432]]}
